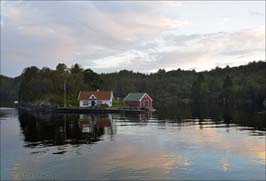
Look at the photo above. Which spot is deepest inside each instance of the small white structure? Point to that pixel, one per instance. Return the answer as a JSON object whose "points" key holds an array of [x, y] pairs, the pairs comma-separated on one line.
{"points": [[93, 98]]}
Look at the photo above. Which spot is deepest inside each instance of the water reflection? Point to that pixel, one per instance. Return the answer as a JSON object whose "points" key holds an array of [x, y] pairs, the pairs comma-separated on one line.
{"points": [[218, 116], [139, 117], [183, 142], [94, 126], [49, 129], [59, 129]]}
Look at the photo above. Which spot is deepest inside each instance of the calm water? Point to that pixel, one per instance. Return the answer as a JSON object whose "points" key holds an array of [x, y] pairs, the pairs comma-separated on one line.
{"points": [[189, 143]]}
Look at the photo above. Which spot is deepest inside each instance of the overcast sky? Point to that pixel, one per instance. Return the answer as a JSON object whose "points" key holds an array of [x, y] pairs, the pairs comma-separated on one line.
{"points": [[139, 36]]}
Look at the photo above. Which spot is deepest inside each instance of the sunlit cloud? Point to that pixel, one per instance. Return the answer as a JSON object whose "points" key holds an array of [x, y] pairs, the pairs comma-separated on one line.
{"points": [[140, 36]]}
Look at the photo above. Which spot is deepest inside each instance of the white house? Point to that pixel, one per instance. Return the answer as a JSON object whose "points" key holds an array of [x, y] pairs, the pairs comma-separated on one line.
{"points": [[93, 98]]}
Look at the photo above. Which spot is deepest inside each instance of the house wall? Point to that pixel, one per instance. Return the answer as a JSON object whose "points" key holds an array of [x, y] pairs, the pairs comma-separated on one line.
{"points": [[82, 103], [140, 103], [132, 103], [146, 98]]}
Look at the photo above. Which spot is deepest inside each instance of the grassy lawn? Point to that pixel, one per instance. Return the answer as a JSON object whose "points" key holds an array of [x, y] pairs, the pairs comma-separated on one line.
{"points": [[117, 104]]}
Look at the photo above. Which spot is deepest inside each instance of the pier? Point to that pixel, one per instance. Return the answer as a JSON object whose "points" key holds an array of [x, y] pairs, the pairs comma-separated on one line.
{"points": [[98, 110], [84, 110]]}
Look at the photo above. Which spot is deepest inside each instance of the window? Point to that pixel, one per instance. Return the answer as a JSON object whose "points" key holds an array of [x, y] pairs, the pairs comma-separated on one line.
{"points": [[85, 103]]}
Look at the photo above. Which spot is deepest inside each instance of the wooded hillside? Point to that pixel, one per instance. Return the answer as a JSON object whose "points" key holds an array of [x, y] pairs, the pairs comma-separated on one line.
{"points": [[236, 85]]}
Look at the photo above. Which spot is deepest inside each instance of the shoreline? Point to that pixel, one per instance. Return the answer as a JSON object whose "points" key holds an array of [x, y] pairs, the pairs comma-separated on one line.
{"points": [[84, 110]]}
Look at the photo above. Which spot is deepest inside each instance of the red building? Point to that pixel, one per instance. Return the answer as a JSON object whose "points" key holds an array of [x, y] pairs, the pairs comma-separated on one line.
{"points": [[139, 100]]}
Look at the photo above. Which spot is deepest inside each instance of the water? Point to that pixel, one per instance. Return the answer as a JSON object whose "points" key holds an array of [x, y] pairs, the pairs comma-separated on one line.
{"points": [[188, 143]]}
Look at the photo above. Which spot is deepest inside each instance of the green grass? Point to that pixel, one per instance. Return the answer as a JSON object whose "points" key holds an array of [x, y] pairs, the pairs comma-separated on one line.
{"points": [[117, 104]]}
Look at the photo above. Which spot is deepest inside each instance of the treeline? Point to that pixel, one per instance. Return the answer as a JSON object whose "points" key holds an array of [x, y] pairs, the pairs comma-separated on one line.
{"points": [[232, 86], [46, 86], [236, 85], [8, 90]]}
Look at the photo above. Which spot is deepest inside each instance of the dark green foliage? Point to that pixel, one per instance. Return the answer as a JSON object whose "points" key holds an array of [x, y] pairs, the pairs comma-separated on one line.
{"points": [[200, 90], [92, 80], [243, 84], [28, 89], [76, 69], [9, 90], [227, 90], [236, 85], [44, 85], [61, 68]]}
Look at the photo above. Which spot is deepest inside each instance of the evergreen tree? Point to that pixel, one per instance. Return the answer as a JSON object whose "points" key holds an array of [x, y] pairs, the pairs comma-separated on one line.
{"points": [[200, 90], [227, 89]]}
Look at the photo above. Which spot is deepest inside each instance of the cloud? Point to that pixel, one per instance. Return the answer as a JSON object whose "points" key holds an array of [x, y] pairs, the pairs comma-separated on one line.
{"points": [[257, 13], [200, 52], [110, 36], [76, 33], [224, 21]]}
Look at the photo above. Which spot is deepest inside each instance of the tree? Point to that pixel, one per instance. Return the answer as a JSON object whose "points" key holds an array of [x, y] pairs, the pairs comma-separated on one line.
{"points": [[164, 87], [227, 89], [200, 90], [76, 69], [27, 86], [92, 80], [61, 68]]}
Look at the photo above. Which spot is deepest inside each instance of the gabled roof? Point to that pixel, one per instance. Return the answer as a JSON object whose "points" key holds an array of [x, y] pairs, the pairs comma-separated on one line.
{"points": [[99, 95], [135, 96]]}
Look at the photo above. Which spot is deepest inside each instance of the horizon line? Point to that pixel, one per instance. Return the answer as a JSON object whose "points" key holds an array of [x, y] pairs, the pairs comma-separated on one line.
{"points": [[146, 73]]}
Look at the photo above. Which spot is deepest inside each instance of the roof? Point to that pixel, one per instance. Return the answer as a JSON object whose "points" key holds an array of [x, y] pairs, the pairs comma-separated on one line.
{"points": [[98, 95], [135, 96]]}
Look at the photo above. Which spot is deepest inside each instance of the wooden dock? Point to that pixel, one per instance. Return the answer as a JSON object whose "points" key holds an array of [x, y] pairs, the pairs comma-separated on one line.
{"points": [[98, 110], [83, 110]]}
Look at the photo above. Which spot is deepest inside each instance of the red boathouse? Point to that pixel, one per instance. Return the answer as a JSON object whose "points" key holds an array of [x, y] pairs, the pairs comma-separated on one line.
{"points": [[139, 100]]}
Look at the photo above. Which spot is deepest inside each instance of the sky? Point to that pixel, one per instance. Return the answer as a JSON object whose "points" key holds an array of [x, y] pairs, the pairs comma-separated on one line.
{"points": [[142, 36]]}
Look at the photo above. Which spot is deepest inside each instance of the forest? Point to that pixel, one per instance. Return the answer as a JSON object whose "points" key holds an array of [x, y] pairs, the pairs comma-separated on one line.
{"points": [[245, 84]]}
